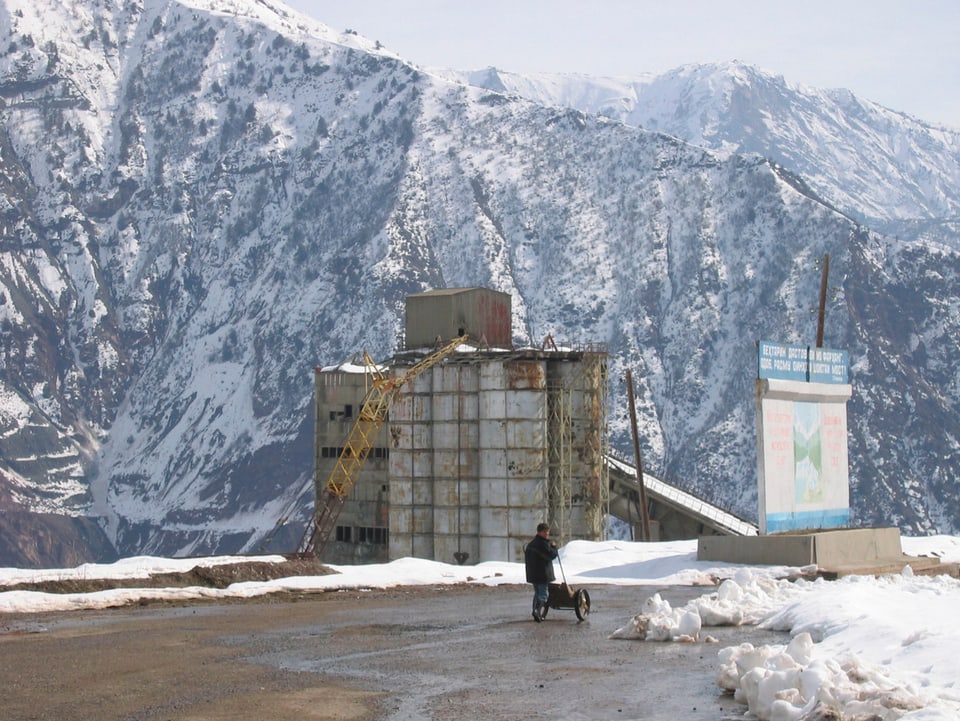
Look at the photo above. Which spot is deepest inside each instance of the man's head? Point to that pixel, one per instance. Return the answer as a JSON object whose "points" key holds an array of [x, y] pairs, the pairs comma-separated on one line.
{"points": [[543, 529]]}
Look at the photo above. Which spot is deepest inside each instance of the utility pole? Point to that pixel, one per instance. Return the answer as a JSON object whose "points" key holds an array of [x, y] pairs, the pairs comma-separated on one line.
{"points": [[644, 512], [821, 316]]}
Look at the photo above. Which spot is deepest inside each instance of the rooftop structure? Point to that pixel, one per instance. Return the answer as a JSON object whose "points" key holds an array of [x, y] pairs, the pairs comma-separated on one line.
{"points": [[480, 313]]}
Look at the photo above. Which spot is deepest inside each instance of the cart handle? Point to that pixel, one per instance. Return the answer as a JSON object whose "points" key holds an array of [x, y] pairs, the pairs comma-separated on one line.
{"points": [[562, 574]]}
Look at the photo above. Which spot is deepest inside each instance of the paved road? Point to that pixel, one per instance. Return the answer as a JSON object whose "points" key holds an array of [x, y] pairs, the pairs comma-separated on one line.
{"points": [[444, 654]]}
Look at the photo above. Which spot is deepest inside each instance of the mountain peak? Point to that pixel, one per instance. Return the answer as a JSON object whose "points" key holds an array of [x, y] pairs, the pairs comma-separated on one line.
{"points": [[204, 200]]}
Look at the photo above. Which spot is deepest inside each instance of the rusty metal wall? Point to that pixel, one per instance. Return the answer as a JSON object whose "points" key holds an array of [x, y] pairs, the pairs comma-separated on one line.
{"points": [[585, 385], [480, 312]]}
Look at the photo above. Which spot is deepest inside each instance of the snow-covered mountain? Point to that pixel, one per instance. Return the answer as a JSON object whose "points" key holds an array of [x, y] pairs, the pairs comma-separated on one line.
{"points": [[201, 200], [890, 171]]}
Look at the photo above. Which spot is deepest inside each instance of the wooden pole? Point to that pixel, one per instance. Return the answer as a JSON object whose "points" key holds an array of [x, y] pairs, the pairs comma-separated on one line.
{"points": [[644, 512], [821, 316]]}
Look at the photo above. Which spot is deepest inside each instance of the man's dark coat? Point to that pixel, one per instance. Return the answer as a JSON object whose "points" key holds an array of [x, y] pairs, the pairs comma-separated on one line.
{"points": [[538, 558]]}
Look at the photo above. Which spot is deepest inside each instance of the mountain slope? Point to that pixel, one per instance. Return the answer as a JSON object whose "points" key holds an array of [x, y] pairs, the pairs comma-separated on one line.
{"points": [[892, 172], [204, 200]]}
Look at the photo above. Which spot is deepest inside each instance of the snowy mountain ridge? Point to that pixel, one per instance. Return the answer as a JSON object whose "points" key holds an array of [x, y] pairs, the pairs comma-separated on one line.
{"points": [[888, 170], [201, 201]]}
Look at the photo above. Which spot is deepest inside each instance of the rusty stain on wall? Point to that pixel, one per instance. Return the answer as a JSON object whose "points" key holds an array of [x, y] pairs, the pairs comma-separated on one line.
{"points": [[525, 375]]}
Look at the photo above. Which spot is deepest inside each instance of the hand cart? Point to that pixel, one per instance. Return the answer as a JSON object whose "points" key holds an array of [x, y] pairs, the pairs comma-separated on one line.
{"points": [[562, 596]]}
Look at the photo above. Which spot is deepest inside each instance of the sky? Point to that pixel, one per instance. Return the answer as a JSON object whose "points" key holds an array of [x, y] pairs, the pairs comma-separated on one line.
{"points": [[857, 643], [903, 55]]}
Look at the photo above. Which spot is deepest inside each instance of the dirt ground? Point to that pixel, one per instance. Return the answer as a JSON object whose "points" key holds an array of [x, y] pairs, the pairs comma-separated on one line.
{"points": [[447, 653], [165, 663]]}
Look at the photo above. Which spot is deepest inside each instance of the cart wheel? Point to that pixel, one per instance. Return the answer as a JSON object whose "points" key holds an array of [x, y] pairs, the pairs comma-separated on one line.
{"points": [[581, 600]]}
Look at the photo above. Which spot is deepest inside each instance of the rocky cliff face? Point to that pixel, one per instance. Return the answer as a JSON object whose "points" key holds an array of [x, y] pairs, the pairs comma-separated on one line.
{"points": [[200, 201]]}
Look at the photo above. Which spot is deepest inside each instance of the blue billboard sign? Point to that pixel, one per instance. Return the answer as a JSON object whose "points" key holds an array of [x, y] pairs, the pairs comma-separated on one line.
{"points": [[801, 363], [828, 366]]}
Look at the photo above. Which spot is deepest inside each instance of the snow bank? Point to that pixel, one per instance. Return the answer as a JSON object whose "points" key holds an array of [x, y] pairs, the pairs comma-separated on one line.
{"points": [[855, 653]]}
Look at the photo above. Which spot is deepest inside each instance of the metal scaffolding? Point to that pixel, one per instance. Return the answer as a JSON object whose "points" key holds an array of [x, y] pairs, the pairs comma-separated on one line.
{"points": [[576, 432]]}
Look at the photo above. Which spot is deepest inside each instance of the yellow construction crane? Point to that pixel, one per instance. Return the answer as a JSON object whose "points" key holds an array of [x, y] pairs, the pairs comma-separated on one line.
{"points": [[360, 441]]}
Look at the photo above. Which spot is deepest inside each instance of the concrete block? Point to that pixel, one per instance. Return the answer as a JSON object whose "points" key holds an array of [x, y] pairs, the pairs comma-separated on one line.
{"points": [[826, 549]]}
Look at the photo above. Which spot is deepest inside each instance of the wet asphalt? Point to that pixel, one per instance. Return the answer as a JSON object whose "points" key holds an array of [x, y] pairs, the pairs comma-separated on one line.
{"points": [[455, 653]]}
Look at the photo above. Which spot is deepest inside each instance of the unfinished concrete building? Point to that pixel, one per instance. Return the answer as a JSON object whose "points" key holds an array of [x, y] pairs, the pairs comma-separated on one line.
{"points": [[478, 448]]}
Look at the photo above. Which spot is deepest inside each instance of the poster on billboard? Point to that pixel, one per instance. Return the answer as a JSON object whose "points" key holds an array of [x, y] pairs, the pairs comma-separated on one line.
{"points": [[802, 431]]}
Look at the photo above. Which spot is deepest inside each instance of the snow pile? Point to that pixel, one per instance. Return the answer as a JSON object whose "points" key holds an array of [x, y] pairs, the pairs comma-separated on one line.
{"points": [[660, 622], [788, 683], [747, 598], [855, 653]]}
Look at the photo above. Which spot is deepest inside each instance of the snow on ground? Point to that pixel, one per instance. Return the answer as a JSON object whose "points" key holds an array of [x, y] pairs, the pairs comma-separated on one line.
{"points": [[878, 648]]}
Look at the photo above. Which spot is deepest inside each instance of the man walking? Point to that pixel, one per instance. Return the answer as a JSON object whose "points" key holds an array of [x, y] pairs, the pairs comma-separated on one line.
{"points": [[538, 559]]}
